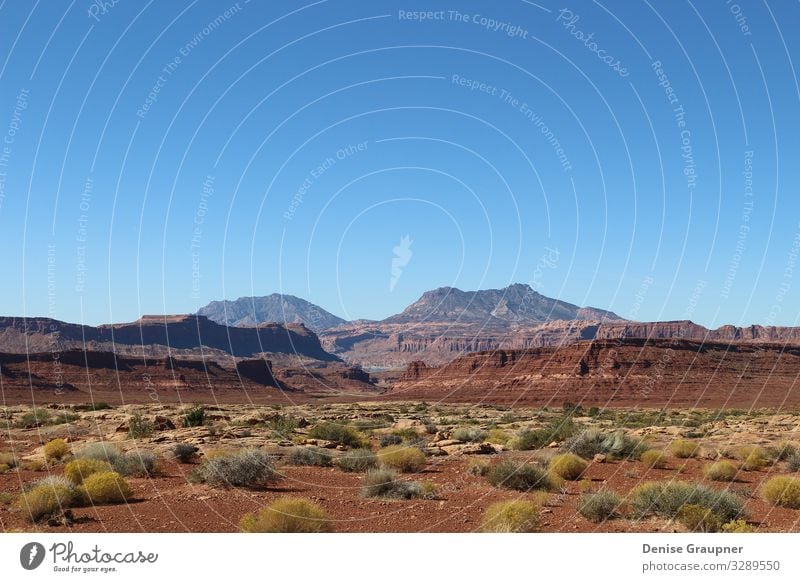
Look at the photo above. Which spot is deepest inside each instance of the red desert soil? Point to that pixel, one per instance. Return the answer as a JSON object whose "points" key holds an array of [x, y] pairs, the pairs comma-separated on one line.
{"points": [[169, 503]]}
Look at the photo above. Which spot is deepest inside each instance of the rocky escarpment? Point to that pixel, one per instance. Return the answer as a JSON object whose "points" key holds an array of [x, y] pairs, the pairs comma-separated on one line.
{"points": [[160, 336], [90, 376], [394, 346], [631, 372]]}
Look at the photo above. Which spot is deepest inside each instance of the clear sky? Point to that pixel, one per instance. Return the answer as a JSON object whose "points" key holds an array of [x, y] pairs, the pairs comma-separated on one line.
{"points": [[634, 156]]}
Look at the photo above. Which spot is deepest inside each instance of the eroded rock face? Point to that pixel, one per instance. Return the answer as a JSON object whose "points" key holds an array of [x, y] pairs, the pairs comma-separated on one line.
{"points": [[160, 336], [632, 372], [384, 345]]}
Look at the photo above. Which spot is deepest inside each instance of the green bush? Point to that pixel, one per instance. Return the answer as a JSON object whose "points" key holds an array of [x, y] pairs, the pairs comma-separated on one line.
{"points": [[385, 483], [782, 451], [106, 487], [102, 451], [246, 468], [140, 427], [721, 471], [403, 458], [357, 461], [79, 469], [783, 491], [469, 434], [309, 457], [511, 517], [56, 449], [698, 518], [478, 467], [654, 459], [600, 506], [184, 453], [556, 430], [666, 499], [283, 425], [519, 476], [568, 466], [135, 463], [37, 417], [497, 436], [194, 417], [683, 449], [594, 441], [339, 433], [793, 463], [387, 440], [287, 515]]}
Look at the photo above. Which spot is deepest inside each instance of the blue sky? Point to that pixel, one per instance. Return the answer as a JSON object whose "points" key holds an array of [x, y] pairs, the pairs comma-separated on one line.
{"points": [[639, 157]]}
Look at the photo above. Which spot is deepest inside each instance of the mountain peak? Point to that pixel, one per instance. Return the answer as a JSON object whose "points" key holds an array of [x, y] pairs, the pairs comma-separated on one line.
{"points": [[516, 304], [277, 307]]}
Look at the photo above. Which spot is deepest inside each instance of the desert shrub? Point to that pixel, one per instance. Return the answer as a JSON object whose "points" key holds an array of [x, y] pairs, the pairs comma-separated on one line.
{"points": [[753, 458], [246, 468], [683, 449], [783, 490], [593, 412], [194, 417], [79, 469], [478, 467], [287, 515], [594, 441], [387, 440], [698, 518], [63, 418], [403, 458], [282, 424], [339, 433], [4, 468], [654, 459], [556, 430], [469, 434], [357, 461], [782, 451], [184, 453], [139, 427], [37, 417], [519, 476], [600, 506], [793, 462], [8, 459], [666, 499], [568, 466], [56, 449], [431, 428], [101, 451], [738, 526], [384, 483], [497, 436], [106, 487], [46, 498], [721, 471], [409, 433], [135, 463], [511, 517], [309, 457]]}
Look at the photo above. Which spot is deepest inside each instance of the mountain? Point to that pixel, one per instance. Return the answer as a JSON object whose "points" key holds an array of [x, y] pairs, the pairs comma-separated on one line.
{"points": [[160, 336], [515, 305], [277, 308]]}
